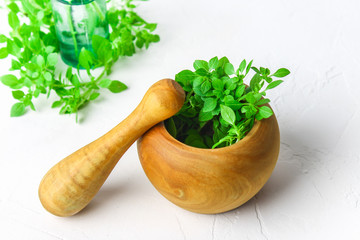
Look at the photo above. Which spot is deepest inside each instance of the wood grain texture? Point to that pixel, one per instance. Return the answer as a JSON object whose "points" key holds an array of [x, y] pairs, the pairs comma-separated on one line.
{"points": [[71, 184], [210, 180]]}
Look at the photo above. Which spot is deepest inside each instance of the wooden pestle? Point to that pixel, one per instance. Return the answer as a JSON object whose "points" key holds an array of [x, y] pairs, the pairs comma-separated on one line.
{"points": [[71, 184]]}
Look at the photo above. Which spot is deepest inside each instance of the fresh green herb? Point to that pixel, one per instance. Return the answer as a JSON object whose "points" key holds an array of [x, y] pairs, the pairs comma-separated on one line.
{"points": [[34, 48], [220, 109]]}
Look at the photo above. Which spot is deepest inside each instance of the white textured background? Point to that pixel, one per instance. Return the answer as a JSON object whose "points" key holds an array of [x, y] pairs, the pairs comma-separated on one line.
{"points": [[314, 192]]}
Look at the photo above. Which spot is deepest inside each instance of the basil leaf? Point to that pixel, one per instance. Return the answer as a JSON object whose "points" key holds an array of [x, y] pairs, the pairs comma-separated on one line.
{"points": [[117, 86], [52, 59], [265, 112], [228, 114], [282, 72], [198, 64], [18, 94], [9, 80], [13, 19], [3, 52], [94, 96], [274, 84], [104, 83], [217, 84], [242, 66], [213, 63], [209, 104], [18, 109], [229, 69]]}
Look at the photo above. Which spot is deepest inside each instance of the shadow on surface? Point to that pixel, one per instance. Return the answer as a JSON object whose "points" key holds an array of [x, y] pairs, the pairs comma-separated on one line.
{"points": [[294, 163], [103, 198]]}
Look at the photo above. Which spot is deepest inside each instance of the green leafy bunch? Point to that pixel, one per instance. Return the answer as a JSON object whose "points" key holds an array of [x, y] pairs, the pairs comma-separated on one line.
{"points": [[220, 109], [34, 51]]}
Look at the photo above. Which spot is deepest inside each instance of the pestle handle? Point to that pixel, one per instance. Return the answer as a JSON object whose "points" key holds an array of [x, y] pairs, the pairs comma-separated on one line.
{"points": [[71, 184]]}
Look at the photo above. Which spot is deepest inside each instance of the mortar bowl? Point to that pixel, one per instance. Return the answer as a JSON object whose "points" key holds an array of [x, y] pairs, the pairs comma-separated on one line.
{"points": [[210, 181]]}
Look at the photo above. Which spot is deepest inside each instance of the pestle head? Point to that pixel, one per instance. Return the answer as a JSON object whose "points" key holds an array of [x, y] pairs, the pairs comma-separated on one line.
{"points": [[163, 100]]}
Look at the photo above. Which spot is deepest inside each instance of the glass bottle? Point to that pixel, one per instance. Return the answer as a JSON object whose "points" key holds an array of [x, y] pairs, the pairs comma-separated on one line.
{"points": [[76, 21]]}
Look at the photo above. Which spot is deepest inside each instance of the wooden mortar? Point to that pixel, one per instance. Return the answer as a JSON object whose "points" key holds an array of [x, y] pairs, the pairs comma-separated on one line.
{"points": [[210, 180]]}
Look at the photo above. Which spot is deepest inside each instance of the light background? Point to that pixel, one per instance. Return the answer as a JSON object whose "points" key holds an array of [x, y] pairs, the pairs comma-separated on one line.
{"points": [[314, 192]]}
